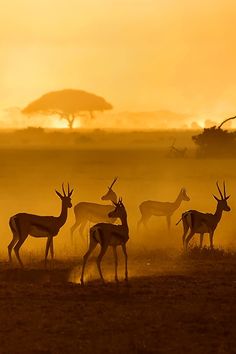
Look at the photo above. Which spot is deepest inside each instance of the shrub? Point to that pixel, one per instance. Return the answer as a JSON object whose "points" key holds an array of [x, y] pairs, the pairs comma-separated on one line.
{"points": [[215, 142]]}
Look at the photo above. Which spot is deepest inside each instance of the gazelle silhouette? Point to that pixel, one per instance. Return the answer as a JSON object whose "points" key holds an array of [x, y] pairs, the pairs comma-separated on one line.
{"points": [[22, 225], [109, 235], [92, 212], [202, 223], [154, 208]]}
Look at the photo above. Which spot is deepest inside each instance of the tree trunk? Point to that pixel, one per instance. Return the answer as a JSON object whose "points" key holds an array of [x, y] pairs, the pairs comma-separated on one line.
{"points": [[70, 120], [91, 114]]}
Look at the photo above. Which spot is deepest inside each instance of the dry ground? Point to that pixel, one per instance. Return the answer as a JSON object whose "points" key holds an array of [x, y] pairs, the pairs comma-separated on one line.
{"points": [[170, 305]]}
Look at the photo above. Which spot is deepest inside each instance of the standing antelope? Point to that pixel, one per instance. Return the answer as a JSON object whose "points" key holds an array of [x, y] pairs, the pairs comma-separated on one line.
{"points": [[109, 235], [202, 223], [154, 208], [22, 225], [85, 211]]}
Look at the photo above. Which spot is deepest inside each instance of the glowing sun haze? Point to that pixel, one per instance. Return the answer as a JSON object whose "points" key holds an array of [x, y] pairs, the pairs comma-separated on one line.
{"points": [[141, 55]]}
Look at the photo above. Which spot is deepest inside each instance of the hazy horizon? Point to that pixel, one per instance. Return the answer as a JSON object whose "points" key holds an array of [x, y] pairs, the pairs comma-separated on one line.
{"points": [[140, 55], [12, 118]]}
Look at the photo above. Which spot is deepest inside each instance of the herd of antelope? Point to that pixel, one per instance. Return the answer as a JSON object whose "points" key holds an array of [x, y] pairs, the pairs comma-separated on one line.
{"points": [[104, 231]]}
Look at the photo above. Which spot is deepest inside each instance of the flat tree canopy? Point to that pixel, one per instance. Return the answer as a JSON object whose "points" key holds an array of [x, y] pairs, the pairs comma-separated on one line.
{"points": [[68, 104]]}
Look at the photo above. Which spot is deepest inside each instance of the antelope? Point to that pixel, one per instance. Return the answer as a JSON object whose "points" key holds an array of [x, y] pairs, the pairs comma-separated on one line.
{"points": [[154, 208], [202, 223], [109, 235], [22, 225], [85, 211]]}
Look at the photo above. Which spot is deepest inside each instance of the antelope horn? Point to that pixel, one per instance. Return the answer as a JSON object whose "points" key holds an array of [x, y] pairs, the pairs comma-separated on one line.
{"points": [[114, 181], [219, 190], [70, 191], [68, 188], [224, 189], [63, 189]]}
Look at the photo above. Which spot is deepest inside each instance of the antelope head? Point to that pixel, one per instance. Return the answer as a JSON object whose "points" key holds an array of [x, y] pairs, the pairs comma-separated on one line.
{"points": [[223, 201], [110, 195], [65, 198], [184, 195], [119, 210]]}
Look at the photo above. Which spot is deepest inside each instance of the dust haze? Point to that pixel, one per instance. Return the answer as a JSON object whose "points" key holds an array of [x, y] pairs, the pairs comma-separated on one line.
{"points": [[167, 290], [88, 161]]}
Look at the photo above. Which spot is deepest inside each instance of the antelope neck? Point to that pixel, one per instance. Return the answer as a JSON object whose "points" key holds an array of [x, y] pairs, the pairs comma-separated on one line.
{"points": [[114, 200], [63, 215], [178, 200], [124, 222], [218, 213]]}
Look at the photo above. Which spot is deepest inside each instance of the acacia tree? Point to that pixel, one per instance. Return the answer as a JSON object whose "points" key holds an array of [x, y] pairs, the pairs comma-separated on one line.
{"points": [[67, 104]]}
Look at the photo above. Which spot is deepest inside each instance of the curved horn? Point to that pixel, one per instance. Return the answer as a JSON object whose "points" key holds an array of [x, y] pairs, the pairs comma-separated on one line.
{"points": [[219, 190], [114, 181]]}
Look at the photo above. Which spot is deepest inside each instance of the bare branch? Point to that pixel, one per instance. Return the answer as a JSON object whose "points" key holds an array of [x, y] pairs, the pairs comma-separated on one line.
{"points": [[226, 120]]}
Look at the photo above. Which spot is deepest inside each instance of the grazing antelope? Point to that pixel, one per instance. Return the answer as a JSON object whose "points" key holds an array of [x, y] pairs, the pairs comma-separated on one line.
{"points": [[154, 208], [22, 225], [109, 235], [202, 223], [85, 211]]}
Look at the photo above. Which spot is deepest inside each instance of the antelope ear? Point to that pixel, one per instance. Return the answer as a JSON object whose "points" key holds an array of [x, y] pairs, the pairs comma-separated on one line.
{"points": [[216, 198], [59, 194], [227, 197], [114, 203]]}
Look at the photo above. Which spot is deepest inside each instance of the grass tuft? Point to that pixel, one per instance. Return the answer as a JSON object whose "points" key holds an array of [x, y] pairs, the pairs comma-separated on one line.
{"points": [[206, 253]]}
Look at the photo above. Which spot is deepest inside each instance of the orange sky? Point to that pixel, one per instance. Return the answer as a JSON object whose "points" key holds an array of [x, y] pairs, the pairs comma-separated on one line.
{"points": [[139, 54]]}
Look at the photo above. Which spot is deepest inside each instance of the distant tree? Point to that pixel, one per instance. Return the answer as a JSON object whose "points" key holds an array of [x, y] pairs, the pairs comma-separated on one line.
{"points": [[67, 104], [215, 141]]}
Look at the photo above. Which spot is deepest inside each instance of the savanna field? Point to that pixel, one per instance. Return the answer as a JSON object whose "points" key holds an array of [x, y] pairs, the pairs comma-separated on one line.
{"points": [[173, 302]]}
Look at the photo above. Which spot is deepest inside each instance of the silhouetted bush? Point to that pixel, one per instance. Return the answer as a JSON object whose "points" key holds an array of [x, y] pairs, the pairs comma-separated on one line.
{"points": [[31, 131], [215, 142]]}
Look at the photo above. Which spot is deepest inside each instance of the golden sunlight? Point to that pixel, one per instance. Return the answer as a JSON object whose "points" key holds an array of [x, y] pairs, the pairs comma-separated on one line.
{"points": [[143, 56], [58, 123], [118, 176]]}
